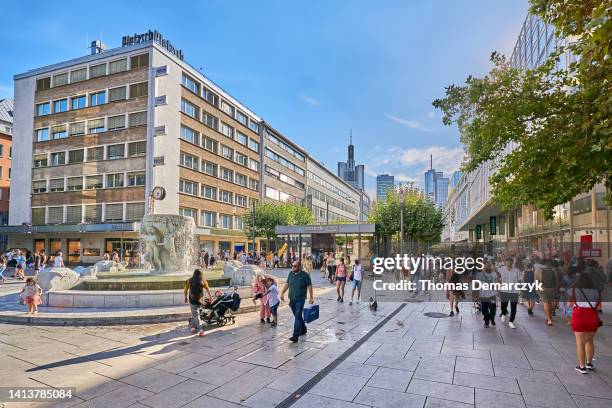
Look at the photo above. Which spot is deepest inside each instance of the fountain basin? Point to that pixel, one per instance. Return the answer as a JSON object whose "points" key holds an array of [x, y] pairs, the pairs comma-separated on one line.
{"points": [[148, 283]]}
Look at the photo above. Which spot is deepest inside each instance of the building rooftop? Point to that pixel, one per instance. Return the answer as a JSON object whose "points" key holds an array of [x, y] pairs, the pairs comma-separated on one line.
{"points": [[6, 110]]}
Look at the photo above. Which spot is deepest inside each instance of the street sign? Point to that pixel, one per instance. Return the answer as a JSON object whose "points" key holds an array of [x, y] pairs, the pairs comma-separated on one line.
{"points": [[492, 226]]}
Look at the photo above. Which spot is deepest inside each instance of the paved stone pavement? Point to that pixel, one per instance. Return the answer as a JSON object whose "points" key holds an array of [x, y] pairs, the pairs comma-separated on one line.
{"points": [[411, 361]]}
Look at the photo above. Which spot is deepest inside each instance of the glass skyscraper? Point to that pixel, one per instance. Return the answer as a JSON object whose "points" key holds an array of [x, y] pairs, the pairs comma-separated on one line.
{"points": [[384, 182]]}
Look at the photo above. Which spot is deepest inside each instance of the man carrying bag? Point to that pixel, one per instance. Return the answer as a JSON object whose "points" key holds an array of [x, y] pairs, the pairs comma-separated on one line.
{"points": [[299, 284]]}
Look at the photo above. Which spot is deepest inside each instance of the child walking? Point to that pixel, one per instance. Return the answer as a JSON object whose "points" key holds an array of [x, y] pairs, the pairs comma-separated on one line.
{"points": [[260, 292], [273, 300], [30, 293], [3, 263]]}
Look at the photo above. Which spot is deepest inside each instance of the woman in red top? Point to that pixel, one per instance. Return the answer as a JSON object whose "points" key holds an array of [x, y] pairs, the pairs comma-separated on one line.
{"points": [[586, 300], [340, 279]]}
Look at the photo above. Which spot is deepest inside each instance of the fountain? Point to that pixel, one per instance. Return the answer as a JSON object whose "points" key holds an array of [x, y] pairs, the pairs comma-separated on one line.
{"points": [[168, 243]]}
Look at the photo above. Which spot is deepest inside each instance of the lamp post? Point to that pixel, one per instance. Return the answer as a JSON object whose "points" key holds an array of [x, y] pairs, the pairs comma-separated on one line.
{"points": [[253, 228], [401, 198]]}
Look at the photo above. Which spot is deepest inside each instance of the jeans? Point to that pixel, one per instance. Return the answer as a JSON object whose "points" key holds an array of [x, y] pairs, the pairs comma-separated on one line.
{"points": [[2, 269], [504, 309], [487, 307], [196, 321], [297, 307]]}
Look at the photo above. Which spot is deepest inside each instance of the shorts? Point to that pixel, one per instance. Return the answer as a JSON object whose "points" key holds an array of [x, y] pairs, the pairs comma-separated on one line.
{"points": [[584, 319], [341, 278], [274, 309], [356, 284]]}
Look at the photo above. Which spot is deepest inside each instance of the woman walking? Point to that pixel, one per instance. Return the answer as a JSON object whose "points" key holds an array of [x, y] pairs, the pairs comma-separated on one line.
{"points": [[530, 295], [331, 267], [550, 287], [194, 294], [454, 294], [341, 275], [586, 300]]}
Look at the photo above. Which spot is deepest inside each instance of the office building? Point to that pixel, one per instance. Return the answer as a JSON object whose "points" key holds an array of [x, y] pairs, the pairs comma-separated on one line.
{"points": [[436, 185], [384, 182], [349, 171], [6, 130], [441, 191]]}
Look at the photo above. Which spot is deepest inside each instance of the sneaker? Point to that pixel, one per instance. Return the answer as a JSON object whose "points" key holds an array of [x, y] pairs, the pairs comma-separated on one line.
{"points": [[457, 309], [337, 300], [273, 324], [293, 339], [530, 312], [486, 325], [451, 314], [581, 370], [590, 366], [303, 332], [350, 302], [341, 300], [503, 318], [512, 326], [193, 330], [267, 320], [262, 320], [201, 333], [493, 323], [357, 301]]}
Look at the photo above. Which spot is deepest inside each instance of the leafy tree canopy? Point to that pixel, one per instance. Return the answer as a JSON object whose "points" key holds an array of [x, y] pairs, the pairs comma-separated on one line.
{"points": [[269, 214]]}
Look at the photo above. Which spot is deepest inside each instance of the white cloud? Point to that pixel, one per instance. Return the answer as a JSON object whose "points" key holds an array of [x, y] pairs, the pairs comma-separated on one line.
{"points": [[309, 100], [412, 124], [433, 115]]}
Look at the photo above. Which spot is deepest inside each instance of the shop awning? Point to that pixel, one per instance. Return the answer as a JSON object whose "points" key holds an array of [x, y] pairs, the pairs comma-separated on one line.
{"points": [[325, 229]]}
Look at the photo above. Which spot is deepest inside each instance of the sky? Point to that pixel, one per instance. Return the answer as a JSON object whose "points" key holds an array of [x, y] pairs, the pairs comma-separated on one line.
{"points": [[313, 69]]}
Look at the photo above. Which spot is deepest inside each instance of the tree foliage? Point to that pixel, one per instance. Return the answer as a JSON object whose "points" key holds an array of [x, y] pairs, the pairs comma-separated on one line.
{"points": [[423, 221], [269, 214], [556, 117]]}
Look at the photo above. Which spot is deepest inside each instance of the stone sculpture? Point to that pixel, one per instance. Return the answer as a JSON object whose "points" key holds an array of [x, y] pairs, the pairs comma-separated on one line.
{"points": [[168, 242], [57, 279]]}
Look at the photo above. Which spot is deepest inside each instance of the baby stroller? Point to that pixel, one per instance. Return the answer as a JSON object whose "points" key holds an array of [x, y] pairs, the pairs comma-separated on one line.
{"points": [[221, 310]]}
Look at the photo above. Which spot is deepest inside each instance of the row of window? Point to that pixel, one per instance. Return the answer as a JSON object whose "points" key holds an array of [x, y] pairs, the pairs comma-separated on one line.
{"points": [[95, 71], [212, 98], [91, 126], [319, 195], [214, 170], [194, 137], [284, 162], [94, 213], [213, 219], [226, 152], [313, 177], [194, 188], [322, 215], [92, 182], [91, 154], [277, 141], [278, 195], [284, 178], [95, 98], [10, 156]]}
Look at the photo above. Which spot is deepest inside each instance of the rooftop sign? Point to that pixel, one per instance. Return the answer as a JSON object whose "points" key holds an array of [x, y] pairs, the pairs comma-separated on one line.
{"points": [[150, 36]]}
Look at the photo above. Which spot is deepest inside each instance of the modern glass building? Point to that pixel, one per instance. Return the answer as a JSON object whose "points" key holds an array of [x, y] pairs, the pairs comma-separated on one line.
{"points": [[384, 182]]}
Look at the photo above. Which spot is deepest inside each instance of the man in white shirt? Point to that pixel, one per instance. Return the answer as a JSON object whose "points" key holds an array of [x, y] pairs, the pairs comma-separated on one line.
{"points": [[59, 261], [357, 277], [509, 274]]}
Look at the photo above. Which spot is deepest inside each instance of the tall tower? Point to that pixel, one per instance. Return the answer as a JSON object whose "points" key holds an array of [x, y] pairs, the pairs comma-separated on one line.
{"points": [[348, 170]]}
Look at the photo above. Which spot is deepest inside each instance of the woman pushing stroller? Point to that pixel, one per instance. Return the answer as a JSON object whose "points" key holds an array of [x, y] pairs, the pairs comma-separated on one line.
{"points": [[194, 294]]}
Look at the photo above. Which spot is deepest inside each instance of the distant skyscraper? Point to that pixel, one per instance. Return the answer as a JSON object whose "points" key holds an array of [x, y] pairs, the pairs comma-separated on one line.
{"points": [[436, 185], [384, 182], [348, 171]]}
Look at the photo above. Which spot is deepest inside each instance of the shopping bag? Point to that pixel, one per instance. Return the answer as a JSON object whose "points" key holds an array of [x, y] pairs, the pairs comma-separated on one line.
{"points": [[311, 313]]}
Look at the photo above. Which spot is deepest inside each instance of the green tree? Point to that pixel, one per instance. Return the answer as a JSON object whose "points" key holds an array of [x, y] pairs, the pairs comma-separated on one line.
{"points": [[269, 214], [556, 117]]}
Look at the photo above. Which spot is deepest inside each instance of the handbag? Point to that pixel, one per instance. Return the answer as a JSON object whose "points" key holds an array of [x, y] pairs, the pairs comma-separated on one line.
{"points": [[599, 322], [311, 313]]}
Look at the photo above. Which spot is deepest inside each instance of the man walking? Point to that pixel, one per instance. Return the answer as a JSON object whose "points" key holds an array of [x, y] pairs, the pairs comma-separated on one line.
{"points": [[298, 283], [509, 274]]}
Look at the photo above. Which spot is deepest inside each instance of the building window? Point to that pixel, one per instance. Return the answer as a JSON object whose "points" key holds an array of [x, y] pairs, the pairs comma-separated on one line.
{"points": [[190, 161], [134, 211], [76, 156], [56, 185], [211, 145], [241, 179], [254, 184], [117, 66], [113, 213], [254, 126], [136, 179], [55, 215], [97, 70], [94, 182], [95, 153], [77, 129], [227, 130], [115, 152], [189, 109], [582, 205], [74, 183], [138, 119], [189, 135], [96, 125], [208, 192], [137, 148], [114, 180], [59, 132], [78, 75], [276, 140], [226, 197], [242, 159], [241, 201], [43, 83], [284, 162], [242, 118], [140, 89], [79, 102], [272, 193], [43, 109], [191, 84], [58, 158], [253, 145], [38, 216], [209, 168], [60, 79], [211, 97], [188, 212], [241, 138], [239, 223], [208, 219], [188, 187], [253, 165], [74, 214], [211, 121], [117, 94], [40, 160], [93, 213], [116, 122], [225, 221], [60, 105], [139, 61], [227, 174], [39, 186], [227, 108], [98, 98], [227, 152]]}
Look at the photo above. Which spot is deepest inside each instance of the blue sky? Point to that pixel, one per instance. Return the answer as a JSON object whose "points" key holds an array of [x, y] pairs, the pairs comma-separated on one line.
{"points": [[312, 69]]}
